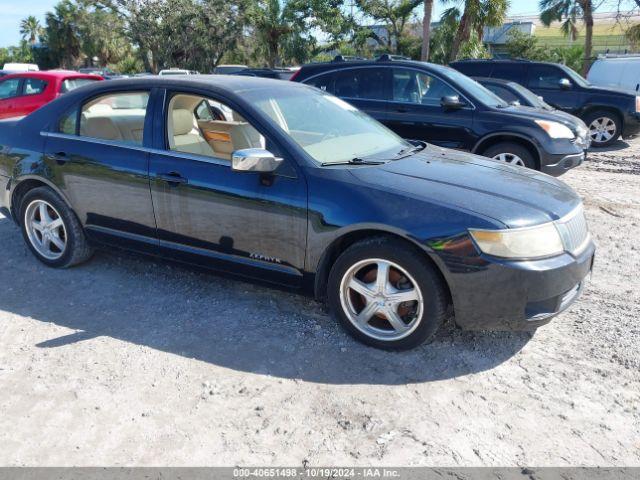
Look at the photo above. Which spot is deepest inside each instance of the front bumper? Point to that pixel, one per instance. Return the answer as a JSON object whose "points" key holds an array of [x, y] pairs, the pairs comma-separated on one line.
{"points": [[556, 165], [496, 294], [631, 124]]}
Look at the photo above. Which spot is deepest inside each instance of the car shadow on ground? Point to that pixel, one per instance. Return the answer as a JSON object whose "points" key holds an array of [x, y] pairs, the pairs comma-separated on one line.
{"points": [[614, 147], [224, 322]]}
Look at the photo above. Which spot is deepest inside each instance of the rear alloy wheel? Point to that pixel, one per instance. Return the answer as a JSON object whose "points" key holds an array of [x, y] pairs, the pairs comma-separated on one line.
{"points": [[387, 294], [51, 229], [511, 153], [604, 128]]}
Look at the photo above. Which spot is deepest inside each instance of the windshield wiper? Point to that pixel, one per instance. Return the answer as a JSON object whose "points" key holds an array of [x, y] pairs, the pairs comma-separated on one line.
{"points": [[405, 152], [355, 161]]}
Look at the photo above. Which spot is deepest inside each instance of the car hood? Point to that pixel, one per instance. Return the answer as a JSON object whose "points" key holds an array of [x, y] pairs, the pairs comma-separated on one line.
{"points": [[620, 91], [571, 121], [511, 195]]}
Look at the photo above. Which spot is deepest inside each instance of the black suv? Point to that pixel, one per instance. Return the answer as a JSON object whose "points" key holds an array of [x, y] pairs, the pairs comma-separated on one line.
{"points": [[608, 112], [437, 104]]}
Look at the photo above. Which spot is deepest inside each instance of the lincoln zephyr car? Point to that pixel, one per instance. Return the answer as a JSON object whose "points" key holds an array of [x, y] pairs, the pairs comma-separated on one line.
{"points": [[288, 184]]}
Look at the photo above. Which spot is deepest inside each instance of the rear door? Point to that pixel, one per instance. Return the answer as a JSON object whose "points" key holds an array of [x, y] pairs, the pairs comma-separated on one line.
{"points": [[97, 151], [415, 111], [33, 95]]}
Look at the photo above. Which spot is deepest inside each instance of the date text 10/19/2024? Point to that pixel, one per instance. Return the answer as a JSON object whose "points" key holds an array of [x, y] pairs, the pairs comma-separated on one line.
{"points": [[320, 472]]}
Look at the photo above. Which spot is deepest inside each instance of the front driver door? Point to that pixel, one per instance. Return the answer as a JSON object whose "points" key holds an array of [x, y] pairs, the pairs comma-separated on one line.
{"points": [[544, 80], [415, 111], [245, 223]]}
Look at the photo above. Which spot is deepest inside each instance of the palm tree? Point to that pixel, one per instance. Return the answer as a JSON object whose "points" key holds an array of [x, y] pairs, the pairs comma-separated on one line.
{"points": [[30, 29], [478, 14], [63, 33], [272, 26], [426, 30], [568, 12]]}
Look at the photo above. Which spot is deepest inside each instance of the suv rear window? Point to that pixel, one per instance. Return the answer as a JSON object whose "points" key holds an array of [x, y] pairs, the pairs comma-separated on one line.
{"points": [[365, 83]]}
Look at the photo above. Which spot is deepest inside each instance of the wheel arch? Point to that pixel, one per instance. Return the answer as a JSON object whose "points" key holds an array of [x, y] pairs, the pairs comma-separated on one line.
{"points": [[24, 185], [492, 139], [589, 109], [344, 241]]}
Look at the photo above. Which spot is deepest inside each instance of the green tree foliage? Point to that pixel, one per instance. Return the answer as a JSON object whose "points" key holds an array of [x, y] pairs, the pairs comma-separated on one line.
{"points": [[568, 12], [443, 36], [62, 34], [395, 16], [520, 45], [476, 15], [30, 29]]}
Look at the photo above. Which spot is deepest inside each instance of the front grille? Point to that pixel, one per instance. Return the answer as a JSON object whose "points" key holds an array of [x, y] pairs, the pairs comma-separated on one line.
{"points": [[574, 231]]}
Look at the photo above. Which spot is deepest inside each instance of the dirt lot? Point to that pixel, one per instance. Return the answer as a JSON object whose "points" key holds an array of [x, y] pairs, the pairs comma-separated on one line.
{"points": [[130, 361]]}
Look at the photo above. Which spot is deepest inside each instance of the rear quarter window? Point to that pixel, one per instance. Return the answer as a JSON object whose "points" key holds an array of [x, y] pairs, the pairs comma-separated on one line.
{"points": [[34, 86], [73, 83], [474, 69]]}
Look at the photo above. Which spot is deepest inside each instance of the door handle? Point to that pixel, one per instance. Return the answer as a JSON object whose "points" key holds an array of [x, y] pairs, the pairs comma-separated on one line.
{"points": [[172, 178], [402, 110], [60, 157]]}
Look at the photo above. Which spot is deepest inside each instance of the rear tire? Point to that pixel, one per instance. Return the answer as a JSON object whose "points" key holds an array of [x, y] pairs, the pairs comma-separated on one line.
{"points": [[604, 127], [511, 153], [387, 294], [51, 230]]}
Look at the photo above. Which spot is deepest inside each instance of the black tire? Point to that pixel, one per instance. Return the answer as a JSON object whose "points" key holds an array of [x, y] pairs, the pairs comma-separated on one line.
{"points": [[591, 117], [77, 249], [510, 148], [414, 262]]}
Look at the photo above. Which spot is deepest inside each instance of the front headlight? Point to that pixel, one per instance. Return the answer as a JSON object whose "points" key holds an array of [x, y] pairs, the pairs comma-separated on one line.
{"points": [[555, 129], [522, 243]]}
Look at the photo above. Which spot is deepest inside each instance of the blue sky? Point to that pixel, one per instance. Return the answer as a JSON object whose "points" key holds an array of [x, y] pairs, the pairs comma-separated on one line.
{"points": [[12, 11]]}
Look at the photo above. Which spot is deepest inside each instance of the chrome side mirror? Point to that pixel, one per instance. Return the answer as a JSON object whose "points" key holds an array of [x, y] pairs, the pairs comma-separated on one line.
{"points": [[565, 84], [452, 102], [254, 160]]}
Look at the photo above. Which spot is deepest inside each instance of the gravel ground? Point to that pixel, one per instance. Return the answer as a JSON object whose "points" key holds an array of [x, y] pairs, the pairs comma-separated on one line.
{"points": [[130, 361]]}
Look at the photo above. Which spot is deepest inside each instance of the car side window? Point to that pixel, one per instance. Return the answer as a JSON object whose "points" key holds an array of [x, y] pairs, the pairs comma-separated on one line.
{"points": [[216, 135], [509, 71], [545, 76], [68, 124], [364, 83], [117, 116], [412, 86], [33, 86], [9, 88]]}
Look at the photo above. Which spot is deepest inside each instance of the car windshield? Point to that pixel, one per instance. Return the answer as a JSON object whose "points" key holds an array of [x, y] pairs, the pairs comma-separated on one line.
{"points": [[474, 89], [577, 78], [329, 129], [531, 97]]}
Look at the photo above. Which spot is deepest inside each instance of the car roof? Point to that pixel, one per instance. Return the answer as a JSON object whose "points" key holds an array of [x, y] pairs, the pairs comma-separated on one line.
{"points": [[52, 74], [500, 81], [321, 66], [502, 60]]}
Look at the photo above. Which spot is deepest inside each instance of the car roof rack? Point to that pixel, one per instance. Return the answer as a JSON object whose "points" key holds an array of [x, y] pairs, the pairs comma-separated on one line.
{"points": [[346, 58], [388, 57]]}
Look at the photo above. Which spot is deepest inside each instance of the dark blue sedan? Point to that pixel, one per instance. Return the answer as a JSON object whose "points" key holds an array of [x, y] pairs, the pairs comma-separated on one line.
{"points": [[284, 183]]}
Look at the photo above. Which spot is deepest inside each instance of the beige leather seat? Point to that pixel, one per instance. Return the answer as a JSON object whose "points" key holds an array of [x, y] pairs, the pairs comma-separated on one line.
{"points": [[184, 136], [226, 137], [99, 127]]}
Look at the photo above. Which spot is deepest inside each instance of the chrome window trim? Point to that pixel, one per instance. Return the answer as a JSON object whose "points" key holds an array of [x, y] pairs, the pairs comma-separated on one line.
{"points": [[424, 72], [139, 148]]}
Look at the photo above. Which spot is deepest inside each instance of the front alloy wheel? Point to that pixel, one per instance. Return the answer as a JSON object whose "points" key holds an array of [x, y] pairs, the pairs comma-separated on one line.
{"points": [[386, 293], [602, 130], [511, 158], [381, 299]]}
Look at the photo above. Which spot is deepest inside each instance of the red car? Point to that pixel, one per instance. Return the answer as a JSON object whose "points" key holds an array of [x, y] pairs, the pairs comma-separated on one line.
{"points": [[22, 93]]}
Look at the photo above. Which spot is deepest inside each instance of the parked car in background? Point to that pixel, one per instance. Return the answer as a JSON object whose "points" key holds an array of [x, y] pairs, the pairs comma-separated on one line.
{"points": [[21, 67], [516, 94], [105, 73], [22, 93], [439, 105], [229, 69], [177, 71], [301, 189], [276, 73], [4, 73], [608, 112], [621, 71]]}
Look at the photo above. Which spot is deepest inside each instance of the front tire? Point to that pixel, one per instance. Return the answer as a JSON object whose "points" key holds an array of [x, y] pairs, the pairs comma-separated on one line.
{"points": [[604, 127], [511, 153], [386, 294], [51, 230]]}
